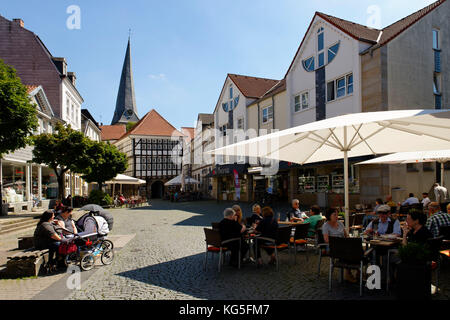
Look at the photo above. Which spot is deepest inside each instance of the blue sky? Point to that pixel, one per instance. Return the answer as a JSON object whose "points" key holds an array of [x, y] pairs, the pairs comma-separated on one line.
{"points": [[183, 49]]}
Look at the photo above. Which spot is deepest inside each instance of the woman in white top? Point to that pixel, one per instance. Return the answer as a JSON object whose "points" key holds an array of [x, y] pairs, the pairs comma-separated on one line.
{"points": [[334, 228]]}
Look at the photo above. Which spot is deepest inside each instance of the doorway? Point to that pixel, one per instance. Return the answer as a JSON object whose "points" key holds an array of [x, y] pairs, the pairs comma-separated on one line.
{"points": [[157, 190]]}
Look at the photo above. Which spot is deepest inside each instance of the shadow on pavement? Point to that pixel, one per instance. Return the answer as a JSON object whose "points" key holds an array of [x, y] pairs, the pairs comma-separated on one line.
{"points": [[292, 282]]}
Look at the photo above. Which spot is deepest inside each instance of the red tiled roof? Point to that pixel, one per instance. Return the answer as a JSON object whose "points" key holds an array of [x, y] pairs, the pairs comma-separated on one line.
{"points": [[113, 132], [279, 87], [371, 35], [153, 124], [393, 30], [252, 87], [355, 30], [30, 88], [188, 132]]}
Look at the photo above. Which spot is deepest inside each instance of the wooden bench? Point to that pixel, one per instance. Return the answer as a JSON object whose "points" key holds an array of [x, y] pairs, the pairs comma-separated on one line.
{"points": [[26, 263]]}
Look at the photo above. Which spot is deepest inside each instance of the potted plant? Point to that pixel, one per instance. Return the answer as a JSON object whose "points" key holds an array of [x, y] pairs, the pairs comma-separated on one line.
{"points": [[414, 272]]}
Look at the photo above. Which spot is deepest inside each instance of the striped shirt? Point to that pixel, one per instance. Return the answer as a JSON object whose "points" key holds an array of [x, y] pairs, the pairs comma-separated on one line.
{"points": [[436, 221]]}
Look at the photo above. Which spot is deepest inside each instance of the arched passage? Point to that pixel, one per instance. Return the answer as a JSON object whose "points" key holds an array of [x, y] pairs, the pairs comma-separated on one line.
{"points": [[157, 189]]}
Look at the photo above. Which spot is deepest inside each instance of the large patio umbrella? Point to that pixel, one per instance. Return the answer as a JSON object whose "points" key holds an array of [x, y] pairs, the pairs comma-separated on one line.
{"points": [[441, 156], [351, 135], [178, 181], [124, 179]]}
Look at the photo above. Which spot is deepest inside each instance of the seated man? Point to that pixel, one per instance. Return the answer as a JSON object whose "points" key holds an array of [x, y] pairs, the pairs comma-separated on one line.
{"points": [[295, 214], [314, 218], [437, 218], [384, 224], [229, 228], [370, 216], [411, 200]]}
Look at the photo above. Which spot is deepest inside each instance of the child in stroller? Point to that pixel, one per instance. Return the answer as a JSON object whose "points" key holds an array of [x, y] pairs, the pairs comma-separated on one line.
{"points": [[89, 244]]}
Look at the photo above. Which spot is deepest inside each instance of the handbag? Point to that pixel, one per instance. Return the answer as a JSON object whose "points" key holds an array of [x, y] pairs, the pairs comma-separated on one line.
{"points": [[67, 248]]}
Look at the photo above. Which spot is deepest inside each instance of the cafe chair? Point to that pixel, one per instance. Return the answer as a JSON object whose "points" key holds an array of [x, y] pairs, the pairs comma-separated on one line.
{"points": [[347, 253], [315, 239], [215, 225], [214, 244], [279, 244], [357, 222], [322, 247], [299, 238], [445, 232], [435, 248]]}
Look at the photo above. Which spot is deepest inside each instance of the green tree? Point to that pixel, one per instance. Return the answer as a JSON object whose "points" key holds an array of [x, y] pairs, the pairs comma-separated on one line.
{"points": [[106, 162], [18, 117], [130, 125], [62, 151]]}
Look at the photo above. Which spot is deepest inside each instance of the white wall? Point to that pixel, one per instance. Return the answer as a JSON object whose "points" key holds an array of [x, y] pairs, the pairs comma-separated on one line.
{"points": [[74, 103], [221, 118], [346, 61]]}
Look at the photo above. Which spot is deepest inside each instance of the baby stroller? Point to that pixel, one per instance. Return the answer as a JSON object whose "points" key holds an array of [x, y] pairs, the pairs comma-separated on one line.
{"points": [[88, 245]]}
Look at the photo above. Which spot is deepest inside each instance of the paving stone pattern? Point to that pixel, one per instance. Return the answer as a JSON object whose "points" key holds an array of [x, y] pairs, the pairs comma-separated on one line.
{"points": [[165, 261]]}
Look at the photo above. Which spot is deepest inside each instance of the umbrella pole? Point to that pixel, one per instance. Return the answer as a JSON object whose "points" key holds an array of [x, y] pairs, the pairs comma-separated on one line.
{"points": [[442, 173], [346, 195]]}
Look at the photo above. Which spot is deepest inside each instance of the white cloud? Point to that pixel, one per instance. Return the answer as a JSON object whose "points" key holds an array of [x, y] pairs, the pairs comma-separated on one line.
{"points": [[160, 76]]}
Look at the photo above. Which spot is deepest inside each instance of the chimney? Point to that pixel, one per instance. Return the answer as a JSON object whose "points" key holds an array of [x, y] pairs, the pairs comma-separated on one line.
{"points": [[61, 64], [72, 77], [19, 22]]}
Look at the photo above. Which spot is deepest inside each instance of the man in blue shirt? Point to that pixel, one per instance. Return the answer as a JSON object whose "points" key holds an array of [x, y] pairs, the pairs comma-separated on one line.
{"points": [[384, 224]]}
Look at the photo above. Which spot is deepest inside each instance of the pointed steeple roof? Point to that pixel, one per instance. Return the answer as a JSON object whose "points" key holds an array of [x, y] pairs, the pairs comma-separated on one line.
{"points": [[126, 110]]}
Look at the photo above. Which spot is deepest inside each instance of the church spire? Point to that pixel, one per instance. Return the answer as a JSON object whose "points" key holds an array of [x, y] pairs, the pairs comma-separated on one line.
{"points": [[126, 110]]}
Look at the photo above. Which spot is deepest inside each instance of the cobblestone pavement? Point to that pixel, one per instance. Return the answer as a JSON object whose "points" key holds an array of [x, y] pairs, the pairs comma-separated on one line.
{"points": [[165, 261]]}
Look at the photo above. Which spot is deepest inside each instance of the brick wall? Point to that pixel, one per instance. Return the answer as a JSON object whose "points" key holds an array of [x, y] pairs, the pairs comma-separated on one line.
{"points": [[22, 49]]}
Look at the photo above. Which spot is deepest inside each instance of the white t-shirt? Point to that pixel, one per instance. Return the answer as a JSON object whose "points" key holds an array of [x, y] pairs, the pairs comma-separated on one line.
{"points": [[425, 202]]}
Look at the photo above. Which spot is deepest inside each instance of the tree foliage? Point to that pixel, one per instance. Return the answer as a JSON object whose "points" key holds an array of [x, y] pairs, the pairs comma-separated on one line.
{"points": [[18, 117], [62, 151], [106, 162]]}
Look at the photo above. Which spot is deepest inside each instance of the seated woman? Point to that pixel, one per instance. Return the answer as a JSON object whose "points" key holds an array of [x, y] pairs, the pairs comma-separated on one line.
{"points": [[237, 213], [415, 230], [334, 228], [256, 216], [46, 236], [268, 228]]}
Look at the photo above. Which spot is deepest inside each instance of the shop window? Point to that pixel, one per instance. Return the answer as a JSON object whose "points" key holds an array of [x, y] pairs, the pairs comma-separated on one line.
{"points": [[411, 167], [428, 166]]}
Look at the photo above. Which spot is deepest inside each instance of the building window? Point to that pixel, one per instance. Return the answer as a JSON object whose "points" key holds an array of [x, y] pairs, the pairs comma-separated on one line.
{"points": [[297, 104], [267, 114], [340, 84], [332, 52], [308, 64], [231, 92], [305, 100], [223, 130], [330, 91], [437, 61], [225, 106], [320, 48], [436, 83], [350, 84], [340, 88], [240, 123], [436, 39]]}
